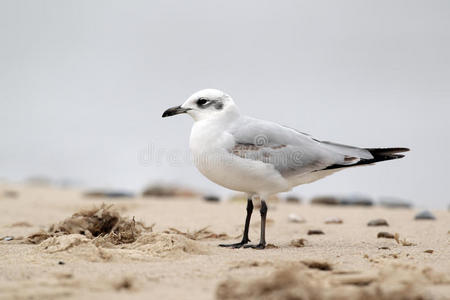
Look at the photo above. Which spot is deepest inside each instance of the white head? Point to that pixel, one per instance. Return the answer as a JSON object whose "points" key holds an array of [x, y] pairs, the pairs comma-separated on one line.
{"points": [[205, 104]]}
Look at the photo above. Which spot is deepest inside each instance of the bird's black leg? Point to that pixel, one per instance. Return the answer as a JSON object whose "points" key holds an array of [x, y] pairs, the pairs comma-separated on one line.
{"points": [[245, 238], [262, 241]]}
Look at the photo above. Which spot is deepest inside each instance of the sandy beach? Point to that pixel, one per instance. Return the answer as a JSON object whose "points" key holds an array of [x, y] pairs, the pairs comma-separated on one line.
{"points": [[172, 252]]}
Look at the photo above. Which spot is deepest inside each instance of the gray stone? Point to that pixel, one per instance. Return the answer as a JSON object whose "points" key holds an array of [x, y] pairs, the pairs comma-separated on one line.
{"points": [[108, 194], [425, 215], [348, 200], [356, 200], [391, 202], [211, 198], [293, 199]]}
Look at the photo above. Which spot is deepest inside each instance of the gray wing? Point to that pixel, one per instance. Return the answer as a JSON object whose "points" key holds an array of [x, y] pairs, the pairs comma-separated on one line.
{"points": [[291, 152]]}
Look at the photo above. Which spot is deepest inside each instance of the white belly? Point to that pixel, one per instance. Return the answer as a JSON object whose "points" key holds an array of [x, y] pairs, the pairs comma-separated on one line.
{"points": [[239, 174]]}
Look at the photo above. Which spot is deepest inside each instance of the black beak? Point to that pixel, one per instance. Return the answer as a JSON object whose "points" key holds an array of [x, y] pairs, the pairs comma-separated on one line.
{"points": [[175, 111]]}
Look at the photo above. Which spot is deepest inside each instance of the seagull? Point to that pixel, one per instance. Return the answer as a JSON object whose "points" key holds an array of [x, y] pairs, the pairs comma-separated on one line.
{"points": [[262, 158]]}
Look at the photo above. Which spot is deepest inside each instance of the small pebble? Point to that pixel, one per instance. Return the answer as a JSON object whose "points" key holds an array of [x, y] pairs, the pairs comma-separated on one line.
{"points": [[313, 232], [378, 222], [425, 215], [8, 238], [429, 251], [293, 218], [334, 220], [386, 235], [61, 262]]}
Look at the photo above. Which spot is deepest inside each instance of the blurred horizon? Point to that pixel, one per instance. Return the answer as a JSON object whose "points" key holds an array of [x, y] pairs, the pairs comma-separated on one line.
{"points": [[83, 85]]}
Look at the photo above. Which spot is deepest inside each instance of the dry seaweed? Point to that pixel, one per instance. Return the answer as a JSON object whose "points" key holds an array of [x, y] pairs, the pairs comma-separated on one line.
{"points": [[319, 265], [103, 222], [271, 246], [201, 234], [298, 243], [403, 242]]}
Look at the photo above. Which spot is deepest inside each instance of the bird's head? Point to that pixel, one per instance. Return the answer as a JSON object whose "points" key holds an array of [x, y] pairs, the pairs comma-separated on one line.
{"points": [[205, 104]]}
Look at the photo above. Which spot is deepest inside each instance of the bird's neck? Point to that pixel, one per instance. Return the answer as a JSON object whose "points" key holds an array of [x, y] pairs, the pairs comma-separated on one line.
{"points": [[210, 132]]}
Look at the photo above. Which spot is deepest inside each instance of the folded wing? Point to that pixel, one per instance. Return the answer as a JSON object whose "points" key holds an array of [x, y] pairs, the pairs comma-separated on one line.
{"points": [[293, 153]]}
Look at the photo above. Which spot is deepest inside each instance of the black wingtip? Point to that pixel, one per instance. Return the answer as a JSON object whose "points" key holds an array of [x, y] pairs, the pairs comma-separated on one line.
{"points": [[387, 151], [379, 154]]}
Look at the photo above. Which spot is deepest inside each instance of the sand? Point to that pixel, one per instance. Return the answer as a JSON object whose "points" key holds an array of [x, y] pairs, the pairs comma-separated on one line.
{"points": [[169, 250]]}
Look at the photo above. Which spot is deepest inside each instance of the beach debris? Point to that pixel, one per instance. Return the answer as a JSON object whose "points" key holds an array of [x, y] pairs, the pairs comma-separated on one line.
{"points": [[201, 234], [271, 246], [429, 251], [346, 200], [8, 238], [293, 218], [386, 235], [325, 200], [378, 222], [298, 243], [425, 215], [293, 199], [315, 232], [384, 248], [11, 194], [125, 283], [356, 200], [392, 202], [166, 190], [333, 220], [211, 198], [319, 265], [61, 262], [402, 242], [103, 221], [108, 194]]}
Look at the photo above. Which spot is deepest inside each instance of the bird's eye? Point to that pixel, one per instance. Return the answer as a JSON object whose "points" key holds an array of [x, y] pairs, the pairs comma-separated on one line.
{"points": [[202, 101]]}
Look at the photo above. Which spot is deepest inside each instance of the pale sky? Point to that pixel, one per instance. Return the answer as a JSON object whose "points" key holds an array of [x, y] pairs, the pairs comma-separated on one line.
{"points": [[83, 85]]}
